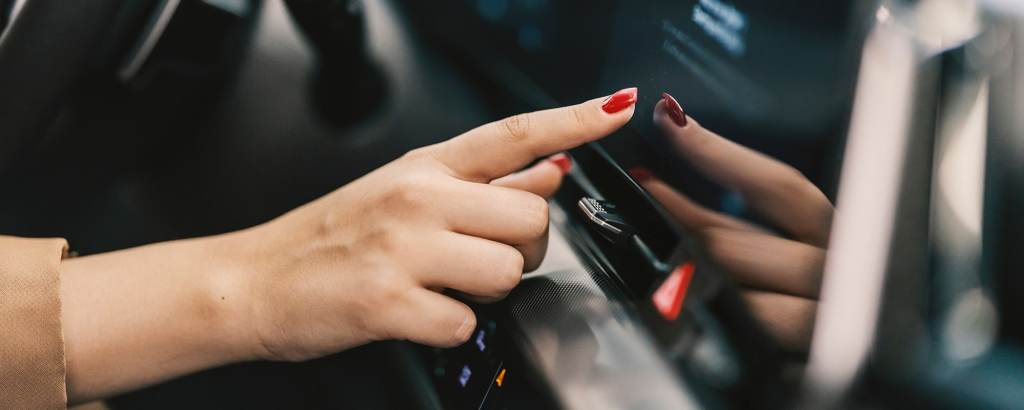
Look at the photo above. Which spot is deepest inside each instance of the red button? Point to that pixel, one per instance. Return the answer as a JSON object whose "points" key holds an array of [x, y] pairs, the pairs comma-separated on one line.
{"points": [[668, 299]]}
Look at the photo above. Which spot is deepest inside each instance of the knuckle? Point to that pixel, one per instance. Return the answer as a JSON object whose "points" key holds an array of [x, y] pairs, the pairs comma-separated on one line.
{"points": [[517, 127], [579, 117], [386, 287], [537, 213], [508, 278], [420, 153], [426, 160]]}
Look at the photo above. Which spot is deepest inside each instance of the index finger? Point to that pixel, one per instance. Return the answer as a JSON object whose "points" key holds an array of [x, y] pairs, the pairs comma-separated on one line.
{"points": [[502, 147]]}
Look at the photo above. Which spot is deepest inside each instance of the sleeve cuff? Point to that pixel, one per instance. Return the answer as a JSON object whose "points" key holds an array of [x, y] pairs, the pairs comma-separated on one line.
{"points": [[32, 346]]}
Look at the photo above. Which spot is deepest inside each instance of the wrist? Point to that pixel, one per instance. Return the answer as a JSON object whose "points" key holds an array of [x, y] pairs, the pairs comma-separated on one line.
{"points": [[139, 316], [227, 293]]}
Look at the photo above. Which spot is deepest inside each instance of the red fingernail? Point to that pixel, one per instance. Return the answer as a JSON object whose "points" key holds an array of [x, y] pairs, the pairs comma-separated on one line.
{"points": [[620, 100], [640, 174], [674, 109], [563, 162]]}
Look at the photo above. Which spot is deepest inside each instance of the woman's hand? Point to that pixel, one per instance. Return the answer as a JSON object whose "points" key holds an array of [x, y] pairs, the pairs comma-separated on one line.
{"points": [[370, 260], [780, 274], [376, 259]]}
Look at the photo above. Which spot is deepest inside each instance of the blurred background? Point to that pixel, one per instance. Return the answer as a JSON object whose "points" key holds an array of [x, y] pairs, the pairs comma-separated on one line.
{"points": [[130, 122]]}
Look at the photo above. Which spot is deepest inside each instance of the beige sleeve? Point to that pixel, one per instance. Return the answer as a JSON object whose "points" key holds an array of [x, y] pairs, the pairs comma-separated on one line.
{"points": [[31, 340]]}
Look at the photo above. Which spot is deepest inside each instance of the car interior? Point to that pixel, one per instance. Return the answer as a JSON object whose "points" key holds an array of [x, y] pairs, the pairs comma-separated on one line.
{"points": [[166, 119]]}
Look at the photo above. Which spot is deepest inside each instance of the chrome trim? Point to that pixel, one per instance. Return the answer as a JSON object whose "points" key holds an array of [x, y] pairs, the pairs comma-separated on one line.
{"points": [[582, 204]]}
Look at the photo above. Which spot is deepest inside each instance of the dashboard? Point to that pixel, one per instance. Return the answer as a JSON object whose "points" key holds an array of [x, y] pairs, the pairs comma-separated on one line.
{"points": [[919, 307], [591, 328]]}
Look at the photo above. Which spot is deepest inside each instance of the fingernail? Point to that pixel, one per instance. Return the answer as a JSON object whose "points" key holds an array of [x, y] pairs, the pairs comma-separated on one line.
{"points": [[640, 174], [465, 328], [674, 109], [620, 100], [563, 162]]}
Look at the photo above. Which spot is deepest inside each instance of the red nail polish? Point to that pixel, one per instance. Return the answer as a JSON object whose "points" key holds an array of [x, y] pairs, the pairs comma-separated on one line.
{"points": [[640, 174], [620, 100], [674, 110], [562, 161]]}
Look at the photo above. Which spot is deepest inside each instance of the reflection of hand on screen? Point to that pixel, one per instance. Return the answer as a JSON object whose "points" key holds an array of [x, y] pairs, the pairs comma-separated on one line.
{"points": [[780, 275]]}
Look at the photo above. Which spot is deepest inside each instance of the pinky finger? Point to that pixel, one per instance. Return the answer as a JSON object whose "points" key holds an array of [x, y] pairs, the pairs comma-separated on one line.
{"points": [[432, 319]]}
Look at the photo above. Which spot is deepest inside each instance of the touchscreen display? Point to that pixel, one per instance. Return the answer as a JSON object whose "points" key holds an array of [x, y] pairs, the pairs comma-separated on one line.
{"points": [[775, 76]]}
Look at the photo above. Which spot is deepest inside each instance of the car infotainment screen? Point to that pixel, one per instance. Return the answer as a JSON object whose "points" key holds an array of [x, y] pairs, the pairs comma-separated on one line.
{"points": [[775, 76]]}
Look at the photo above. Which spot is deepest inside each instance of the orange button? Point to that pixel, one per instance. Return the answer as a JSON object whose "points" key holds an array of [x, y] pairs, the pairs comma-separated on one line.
{"points": [[668, 299], [501, 378]]}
